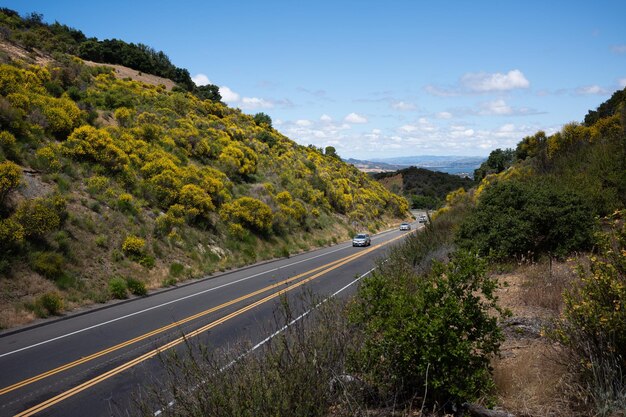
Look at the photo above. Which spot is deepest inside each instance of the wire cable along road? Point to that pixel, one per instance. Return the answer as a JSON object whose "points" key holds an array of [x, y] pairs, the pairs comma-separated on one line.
{"points": [[56, 368]]}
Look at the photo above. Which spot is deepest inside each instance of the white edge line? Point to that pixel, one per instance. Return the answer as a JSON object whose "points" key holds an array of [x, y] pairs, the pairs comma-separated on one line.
{"points": [[162, 305], [279, 331]]}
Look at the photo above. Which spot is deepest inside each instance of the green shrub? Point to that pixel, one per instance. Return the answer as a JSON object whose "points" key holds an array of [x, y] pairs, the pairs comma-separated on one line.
{"points": [[527, 218], [437, 330], [118, 287], [147, 261], [136, 286], [51, 302], [49, 264], [97, 184], [101, 241], [168, 282], [176, 269]]}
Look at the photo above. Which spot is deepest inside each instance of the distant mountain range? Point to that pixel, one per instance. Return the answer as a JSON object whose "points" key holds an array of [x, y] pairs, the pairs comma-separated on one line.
{"points": [[458, 165]]}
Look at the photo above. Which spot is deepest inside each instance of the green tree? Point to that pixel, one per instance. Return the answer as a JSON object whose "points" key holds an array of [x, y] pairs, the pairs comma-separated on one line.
{"points": [[262, 119], [331, 151], [514, 218], [498, 161], [208, 92]]}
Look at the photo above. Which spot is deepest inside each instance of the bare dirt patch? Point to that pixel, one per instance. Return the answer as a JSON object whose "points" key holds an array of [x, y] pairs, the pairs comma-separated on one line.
{"points": [[530, 378], [125, 72], [33, 57]]}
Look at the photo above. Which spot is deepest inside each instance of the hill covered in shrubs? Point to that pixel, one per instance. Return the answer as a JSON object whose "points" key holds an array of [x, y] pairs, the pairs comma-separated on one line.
{"points": [[425, 189], [109, 186]]}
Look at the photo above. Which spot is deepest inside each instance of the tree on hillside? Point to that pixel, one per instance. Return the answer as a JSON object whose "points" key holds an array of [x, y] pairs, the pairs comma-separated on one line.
{"points": [[527, 218], [331, 151], [498, 161], [208, 92], [262, 119], [608, 108]]}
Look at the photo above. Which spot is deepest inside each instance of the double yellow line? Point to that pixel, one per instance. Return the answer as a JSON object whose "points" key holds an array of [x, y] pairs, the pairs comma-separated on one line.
{"points": [[75, 390]]}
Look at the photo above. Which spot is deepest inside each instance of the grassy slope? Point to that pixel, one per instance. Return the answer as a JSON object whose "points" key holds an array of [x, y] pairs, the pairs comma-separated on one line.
{"points": [[315, 200]]}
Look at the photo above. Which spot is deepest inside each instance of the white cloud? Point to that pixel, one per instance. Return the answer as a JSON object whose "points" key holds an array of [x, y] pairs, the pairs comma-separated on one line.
{"points": [[497, 107], [461, 132], [408, 128], [200, 79], [444, 115], [255, 103], [402, 106], [622, 82], [326, 118], [590, 89], [484, 82], [355, 118], [440, 91], [303, 123], [228, 95], [619, 49]]}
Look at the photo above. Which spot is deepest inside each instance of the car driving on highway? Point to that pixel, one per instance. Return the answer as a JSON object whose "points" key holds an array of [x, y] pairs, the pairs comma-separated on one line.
{"points": [[405, 226], [362, 239]]}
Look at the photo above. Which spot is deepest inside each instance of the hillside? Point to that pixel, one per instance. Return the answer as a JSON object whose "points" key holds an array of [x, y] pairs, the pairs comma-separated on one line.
{"points": [[422, 187], [110, 185]]}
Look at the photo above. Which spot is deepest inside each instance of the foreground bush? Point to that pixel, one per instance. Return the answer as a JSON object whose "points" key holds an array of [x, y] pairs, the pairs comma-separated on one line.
{"points": [[431, 335], [292, 375], [593, 325]]}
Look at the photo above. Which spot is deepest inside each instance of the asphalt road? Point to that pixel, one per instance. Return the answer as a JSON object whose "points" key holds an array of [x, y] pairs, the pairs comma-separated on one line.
{"points": [[91, 364]]}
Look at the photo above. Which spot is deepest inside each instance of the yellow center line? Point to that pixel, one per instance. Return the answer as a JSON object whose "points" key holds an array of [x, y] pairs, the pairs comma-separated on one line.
{"points": [[157, 331], [90, 383]]}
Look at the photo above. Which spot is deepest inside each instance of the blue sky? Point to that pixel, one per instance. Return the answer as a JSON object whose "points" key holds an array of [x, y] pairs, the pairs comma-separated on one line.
{"points": [[386, 78]]}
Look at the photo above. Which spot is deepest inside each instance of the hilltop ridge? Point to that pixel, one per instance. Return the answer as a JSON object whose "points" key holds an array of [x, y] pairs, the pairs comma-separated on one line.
{"points": [[112, 185]]}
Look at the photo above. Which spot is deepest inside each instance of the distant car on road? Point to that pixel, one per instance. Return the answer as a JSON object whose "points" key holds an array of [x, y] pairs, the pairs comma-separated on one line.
{"points": [[423, 219], [405, 226], [362, 239]]}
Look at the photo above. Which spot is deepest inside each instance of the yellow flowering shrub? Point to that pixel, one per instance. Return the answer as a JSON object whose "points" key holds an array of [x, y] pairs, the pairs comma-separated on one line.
{"points": [[165, 187], [11, 232], [249, 212], [8, 144], [133, 245], [91, 144], [238, 159], [593, 323], [38, 217], [48, 158], [197, 201], [10, 178], [124, 116]]}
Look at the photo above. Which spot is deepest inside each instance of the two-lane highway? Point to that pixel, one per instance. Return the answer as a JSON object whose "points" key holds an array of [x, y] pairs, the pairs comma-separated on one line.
{"points": [[89, 364]]}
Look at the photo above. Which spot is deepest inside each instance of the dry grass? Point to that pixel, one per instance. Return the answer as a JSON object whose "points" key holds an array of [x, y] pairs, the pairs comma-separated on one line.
{"points": [[531, 377], [14, 293], [545, 283]]}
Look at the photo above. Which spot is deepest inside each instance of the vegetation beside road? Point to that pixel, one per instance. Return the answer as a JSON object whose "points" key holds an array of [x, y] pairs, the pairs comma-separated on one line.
{"points": [[111, 186], [485, 305]]}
